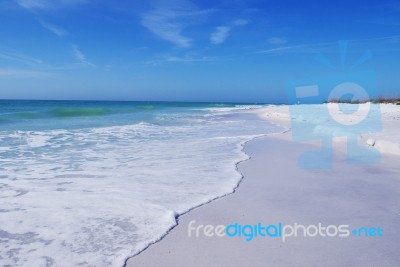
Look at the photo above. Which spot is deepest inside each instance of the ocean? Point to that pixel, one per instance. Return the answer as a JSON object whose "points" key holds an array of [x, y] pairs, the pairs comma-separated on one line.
{"points": [[86, 183]]}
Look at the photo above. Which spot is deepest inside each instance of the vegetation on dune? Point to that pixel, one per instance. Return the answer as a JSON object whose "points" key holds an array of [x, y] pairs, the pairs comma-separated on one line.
{"points": [[380, 100]]}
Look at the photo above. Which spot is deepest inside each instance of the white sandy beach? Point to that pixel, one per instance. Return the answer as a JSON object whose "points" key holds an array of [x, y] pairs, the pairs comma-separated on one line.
{"points": [[189, 133], [275, 189]]}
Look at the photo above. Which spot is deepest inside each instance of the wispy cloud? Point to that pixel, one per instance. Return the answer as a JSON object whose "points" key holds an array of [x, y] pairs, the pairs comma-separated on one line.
{"points": [[80, 57], [240, 22], [53, 28], [277, 40], [304, 48], [34, 4], [19, 74], [222, 32], [20, 58], [188, 58], [49, 4], [169, 21], [332, 46]]}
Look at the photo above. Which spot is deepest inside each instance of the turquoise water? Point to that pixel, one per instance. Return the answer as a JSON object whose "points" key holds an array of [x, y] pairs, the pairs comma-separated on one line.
{"points": [[46, 115], [93, 183]]}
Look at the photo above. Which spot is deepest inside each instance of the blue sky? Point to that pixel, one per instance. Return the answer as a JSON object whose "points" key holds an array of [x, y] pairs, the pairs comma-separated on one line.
{"points": [[181, 50]]}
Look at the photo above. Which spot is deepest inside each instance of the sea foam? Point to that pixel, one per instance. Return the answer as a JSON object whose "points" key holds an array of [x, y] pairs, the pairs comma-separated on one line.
{"points": [[96, 196]]}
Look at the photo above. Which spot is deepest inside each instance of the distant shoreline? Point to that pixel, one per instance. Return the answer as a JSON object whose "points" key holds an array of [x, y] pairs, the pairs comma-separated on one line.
{"points": [[380, 100]]}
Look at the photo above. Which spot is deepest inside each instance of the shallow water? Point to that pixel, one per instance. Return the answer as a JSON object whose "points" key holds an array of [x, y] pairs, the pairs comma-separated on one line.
{"points": [[92, 183]]}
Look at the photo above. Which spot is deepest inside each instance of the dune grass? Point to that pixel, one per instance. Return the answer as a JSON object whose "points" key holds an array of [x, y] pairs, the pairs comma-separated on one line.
{"points": [[380, 100]]}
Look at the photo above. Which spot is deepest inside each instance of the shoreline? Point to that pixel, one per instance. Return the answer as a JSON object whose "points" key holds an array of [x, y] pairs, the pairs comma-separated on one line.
{"points": [[172, 248], [177, 216], [128, 260]]}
